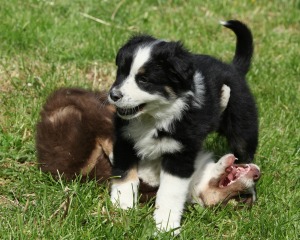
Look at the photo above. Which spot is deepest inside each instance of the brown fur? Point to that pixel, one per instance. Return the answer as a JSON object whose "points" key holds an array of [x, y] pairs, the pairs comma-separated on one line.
{"points": [[75, 134], [215, 195]]}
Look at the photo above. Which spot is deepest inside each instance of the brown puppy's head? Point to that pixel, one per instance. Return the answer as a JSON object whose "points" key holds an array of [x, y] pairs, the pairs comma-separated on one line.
{"points": [[226, 180]]}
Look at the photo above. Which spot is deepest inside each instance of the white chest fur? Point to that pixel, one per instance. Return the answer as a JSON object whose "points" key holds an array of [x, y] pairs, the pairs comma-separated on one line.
{"points": [[146, 142]]}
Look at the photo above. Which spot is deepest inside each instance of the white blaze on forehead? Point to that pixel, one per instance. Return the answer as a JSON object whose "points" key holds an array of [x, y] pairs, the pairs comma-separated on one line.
{"points": [[141, 57]]}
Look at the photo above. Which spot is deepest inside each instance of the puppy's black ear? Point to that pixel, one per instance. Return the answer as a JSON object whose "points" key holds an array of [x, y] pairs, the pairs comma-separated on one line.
{"points": [[177, 61]]}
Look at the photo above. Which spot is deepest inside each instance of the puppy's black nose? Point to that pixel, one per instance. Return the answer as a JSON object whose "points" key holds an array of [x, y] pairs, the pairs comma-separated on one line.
{"points": [[115, 95]]}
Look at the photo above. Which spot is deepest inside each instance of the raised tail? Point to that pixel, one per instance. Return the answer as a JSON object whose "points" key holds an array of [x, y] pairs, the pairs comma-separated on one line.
{"points": [[244, 45]]}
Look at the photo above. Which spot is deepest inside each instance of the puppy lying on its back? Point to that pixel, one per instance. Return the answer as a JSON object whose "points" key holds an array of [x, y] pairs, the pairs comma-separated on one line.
{"points": [[75, 136]]}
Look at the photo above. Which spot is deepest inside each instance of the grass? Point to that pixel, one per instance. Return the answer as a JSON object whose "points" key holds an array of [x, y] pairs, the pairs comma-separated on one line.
{"points": [[49, 44]]}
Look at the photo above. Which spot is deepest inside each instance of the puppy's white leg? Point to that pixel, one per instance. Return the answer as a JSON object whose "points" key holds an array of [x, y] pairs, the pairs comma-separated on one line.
{"points": [[170, 200], [124, 192]]}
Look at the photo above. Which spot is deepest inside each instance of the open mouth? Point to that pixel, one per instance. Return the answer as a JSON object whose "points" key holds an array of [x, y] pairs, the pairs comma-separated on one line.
{"points": [[130, 111], [233, 173]]}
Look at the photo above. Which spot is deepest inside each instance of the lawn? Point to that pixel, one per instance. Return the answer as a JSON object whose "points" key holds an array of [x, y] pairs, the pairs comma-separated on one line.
{"points": [[45, 45]]}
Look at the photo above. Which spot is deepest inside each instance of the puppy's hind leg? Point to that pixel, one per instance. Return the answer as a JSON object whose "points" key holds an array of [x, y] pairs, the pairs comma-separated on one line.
{"points": [[240, 126]]}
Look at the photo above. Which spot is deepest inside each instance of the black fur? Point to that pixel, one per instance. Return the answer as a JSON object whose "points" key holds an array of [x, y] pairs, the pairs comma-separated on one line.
{"points": [[172, 66]]}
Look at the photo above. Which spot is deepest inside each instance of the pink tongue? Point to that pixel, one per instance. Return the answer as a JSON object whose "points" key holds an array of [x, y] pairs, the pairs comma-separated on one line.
{"points": [[234, 171], [230, 176]]}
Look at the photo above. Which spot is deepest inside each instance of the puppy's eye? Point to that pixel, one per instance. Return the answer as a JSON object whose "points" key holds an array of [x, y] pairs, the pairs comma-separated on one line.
{"points": [[143, 80]]}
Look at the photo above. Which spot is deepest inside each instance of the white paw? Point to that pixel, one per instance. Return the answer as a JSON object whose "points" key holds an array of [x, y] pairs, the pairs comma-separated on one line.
{"points": [[166, 221], [124, 195], [225, 161]]}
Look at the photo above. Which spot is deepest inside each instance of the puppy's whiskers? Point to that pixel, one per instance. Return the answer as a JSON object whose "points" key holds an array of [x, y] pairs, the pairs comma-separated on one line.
{"points": [[104, 103]]}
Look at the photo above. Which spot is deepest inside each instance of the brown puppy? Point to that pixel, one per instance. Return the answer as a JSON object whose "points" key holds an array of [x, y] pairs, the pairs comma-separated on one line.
{"points": [[75, 136]]}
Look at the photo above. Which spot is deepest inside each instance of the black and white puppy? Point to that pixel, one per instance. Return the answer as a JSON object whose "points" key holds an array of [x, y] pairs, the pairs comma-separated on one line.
{"points": [[167, 102]]}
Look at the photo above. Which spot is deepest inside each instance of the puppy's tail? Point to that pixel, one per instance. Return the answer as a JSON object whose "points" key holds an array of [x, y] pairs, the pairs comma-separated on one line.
{"points": [[244, 45]]}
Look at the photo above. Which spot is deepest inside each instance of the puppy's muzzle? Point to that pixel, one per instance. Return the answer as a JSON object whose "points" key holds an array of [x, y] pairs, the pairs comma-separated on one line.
{"points": [[255, 173]]}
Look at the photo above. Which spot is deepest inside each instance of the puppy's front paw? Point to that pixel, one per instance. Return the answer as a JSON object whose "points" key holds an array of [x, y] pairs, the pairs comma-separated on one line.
{"points": [[124, 195], [225, 162], [167, 221]]}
